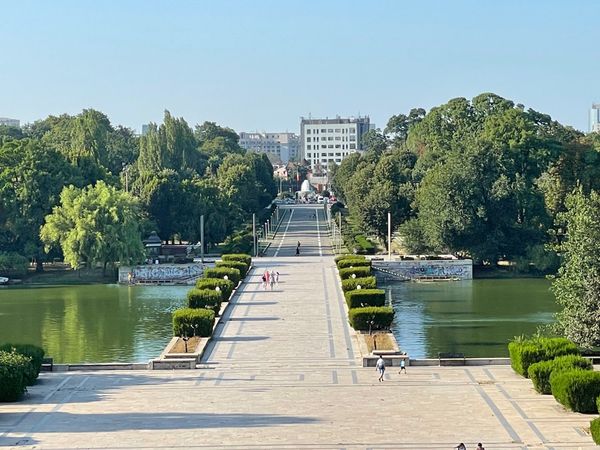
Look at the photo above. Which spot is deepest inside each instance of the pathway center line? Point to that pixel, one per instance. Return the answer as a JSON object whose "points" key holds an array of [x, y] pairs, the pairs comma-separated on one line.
{"points": [[284, 233]]}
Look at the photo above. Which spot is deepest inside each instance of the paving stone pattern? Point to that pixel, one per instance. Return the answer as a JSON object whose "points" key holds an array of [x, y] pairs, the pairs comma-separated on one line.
{"points": [[284, 371]]}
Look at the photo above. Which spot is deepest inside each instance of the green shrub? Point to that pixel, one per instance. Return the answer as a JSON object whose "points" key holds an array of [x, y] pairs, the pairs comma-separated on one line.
{"points": [[595, 429], [576, 389], [349, 256], [365, 283], [238, 257], [13, 372], [241, 266], [367, 297], [220, 272], [523, 353], [204, 298], [226, 286], [32, 351], [239, 242], [359, 272], [190, 322], [13, 265], [353, 262], [381, 316], [540, 372], [363, 245]]}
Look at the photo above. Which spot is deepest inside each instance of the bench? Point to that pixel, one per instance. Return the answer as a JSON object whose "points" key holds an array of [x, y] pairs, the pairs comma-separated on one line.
{"points": [[47, 365], [451, 359]]}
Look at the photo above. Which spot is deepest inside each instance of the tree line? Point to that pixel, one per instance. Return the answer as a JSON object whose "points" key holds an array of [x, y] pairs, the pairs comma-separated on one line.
{"points": [[485, 178], [79, 188]]}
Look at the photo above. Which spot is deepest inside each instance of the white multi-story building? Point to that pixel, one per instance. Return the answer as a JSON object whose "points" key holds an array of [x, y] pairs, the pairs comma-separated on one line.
{"points": [[10, 122], [327, 141], [595, 118], [283, 146]]}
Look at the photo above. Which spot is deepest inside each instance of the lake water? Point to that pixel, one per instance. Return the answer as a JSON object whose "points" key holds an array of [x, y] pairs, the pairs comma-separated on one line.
{"points": [[475, 317], [95, 323], [111, 323]]}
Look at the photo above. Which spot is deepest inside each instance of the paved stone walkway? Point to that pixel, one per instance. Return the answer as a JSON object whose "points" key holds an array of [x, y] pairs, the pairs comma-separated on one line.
{"points": [[284, 372]]}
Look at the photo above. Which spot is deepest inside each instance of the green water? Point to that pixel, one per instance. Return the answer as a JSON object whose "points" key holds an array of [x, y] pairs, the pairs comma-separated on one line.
{"points": [[98, 323], [476, 317]]}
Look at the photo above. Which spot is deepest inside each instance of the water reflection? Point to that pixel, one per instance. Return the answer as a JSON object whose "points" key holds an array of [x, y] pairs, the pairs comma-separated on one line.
{"points": [[475, 317], [100, 323]]}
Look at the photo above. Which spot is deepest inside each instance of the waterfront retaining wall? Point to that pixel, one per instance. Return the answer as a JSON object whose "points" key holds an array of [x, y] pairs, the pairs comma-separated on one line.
{"points": [[161, 273], [417, 269]]}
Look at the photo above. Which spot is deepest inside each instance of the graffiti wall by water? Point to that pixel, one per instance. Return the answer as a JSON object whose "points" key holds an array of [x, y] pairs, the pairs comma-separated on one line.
{"points": [[160, 273], [462, 268]]}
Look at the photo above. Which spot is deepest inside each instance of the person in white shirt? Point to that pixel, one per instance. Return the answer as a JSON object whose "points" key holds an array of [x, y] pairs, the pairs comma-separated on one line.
{"points": [[380, 366]]}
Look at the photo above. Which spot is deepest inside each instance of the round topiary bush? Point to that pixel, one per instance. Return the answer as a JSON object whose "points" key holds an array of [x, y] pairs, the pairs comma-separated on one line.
{"points": [[204, 298], [225, 286], [190, 322], [13, 372]]}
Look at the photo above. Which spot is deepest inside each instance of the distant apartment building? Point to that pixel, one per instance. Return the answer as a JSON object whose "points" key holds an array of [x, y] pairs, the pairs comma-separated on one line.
{"points": [[595, 118], [10, 122], [145, 129], [282, 146], [327, 141]]}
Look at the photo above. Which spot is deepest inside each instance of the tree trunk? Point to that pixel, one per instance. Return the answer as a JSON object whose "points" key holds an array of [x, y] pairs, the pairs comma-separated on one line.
{"points": [[104, 269], [39, 264]]}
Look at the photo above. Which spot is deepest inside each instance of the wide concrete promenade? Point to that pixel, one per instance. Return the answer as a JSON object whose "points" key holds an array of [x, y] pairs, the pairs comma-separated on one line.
{"points": [[284, 371]]}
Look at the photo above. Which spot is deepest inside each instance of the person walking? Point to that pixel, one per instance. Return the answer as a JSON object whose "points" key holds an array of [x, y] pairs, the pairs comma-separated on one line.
{"points": [[267, 276], [402, 366], [461, 446], [298, 249], [380, 366], [480, 447], [277, 278], [272, 279]]}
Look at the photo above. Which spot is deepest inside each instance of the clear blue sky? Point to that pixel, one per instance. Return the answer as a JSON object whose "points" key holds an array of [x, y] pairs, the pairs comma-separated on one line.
{"points": [[260, 65]]}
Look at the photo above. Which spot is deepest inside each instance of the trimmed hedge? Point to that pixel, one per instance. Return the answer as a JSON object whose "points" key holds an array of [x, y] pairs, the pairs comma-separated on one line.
{"points": [[353, 262], [226, 286], [14, 368], [241, 266], [576, 389], [220, 272], [381, 316], [527, 352], [540, 372], [368, 297], [360, 272], [238, 257], [32, 351], [365, 283], [595, 429], [184, 320], [349, 256], [204, 298]]}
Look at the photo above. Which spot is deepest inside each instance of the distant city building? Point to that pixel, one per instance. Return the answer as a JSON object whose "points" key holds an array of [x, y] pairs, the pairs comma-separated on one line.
{"points": [[595, 118], [10, 122], [282, 146], [326, 141], [145, 128]]}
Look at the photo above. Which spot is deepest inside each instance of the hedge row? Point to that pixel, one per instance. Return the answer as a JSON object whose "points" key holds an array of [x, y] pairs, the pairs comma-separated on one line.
{"points": [[576, 389], [205, 298], [365, 297], [204, 301], [241, 266], [595, 430], [365, 283], [524, 353], [31, 351], [540, 372], [380, 316], [353, 262], [349, 256], [193, 322], [354, 272], [225, 286]]}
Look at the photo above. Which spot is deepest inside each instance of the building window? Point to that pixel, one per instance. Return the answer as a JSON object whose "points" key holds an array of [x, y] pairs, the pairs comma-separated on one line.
{"points": [[352, 146], [307, 139], [352, 130], [309, 155], [337, 130], [330, 145], [323, 130], [330, 130], [330, 138], [337, 138], [352, 138], [308, 148], [323, 146]]}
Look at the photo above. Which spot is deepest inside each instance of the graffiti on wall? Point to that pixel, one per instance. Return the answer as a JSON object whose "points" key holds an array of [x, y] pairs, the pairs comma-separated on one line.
{"points": [[462, 269], [160, 273]]}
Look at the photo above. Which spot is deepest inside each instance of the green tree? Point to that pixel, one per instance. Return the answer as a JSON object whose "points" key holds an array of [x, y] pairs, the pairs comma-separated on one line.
{"points": [[577, 285], [96, 224]]}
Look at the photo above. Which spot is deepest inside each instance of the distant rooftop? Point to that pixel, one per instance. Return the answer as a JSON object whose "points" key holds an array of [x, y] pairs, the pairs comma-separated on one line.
{"points": [[337, 119]]}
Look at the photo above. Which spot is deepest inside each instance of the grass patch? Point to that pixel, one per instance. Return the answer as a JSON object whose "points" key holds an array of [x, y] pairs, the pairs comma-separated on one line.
{"points": [[384, 341]]}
